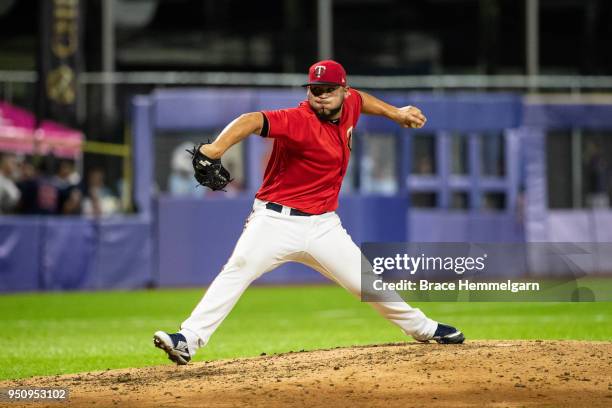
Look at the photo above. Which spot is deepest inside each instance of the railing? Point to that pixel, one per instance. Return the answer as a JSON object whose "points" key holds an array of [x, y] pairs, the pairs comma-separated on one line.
{"points": [[572, 83]]}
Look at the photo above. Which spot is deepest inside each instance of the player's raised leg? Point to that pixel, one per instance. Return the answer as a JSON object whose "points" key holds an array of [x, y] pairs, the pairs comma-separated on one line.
{"points": [[334, 251]]}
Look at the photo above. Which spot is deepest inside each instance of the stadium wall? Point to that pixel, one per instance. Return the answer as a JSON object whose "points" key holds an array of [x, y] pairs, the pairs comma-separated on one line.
{"points": [[167, 241]]}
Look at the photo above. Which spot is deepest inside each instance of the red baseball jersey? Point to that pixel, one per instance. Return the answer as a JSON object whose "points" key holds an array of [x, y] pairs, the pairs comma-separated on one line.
{"points": [[309, 157]]}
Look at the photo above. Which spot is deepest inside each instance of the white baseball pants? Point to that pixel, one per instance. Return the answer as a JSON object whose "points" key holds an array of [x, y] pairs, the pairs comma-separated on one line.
{"points": [[270, 239]]}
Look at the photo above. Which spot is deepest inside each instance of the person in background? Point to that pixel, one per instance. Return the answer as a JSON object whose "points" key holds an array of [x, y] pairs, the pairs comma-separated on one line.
{"points": [[181, 181], [597, 170], [9, 193], [99, 199], [69, 195], [47, 195], [28, 186]]}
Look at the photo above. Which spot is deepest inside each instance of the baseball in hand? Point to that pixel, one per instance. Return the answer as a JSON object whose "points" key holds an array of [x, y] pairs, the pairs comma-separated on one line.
{"points": [[413, 112]]}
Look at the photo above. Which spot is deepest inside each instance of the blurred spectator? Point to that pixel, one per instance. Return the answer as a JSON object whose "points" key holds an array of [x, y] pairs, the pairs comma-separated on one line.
{"points": [[598, 176], [39, 191], [69, 195], [376, 177], [378, 165], [47, 196], [28, 186], [9, 193], [181, 181], [424, 166], [99, 199]]}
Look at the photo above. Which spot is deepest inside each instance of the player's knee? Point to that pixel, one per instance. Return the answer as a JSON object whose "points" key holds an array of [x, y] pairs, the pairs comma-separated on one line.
{"points": [[236, 262], [239, 261], [250, 267], [242, 265]]}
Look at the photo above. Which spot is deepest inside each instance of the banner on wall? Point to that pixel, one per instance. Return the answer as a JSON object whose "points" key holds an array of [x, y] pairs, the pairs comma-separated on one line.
{"points": [[59, 59]]}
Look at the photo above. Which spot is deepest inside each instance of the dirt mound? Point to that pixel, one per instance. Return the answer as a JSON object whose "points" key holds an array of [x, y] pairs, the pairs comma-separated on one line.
{"points": [[478, 373]]}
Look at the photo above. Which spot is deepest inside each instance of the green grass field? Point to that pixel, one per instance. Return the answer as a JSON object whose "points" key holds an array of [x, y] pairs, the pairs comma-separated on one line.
{"points": [[44, 334]]}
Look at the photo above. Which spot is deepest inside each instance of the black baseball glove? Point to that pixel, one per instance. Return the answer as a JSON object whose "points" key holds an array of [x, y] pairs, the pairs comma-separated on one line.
{"points": [[209, 172]]}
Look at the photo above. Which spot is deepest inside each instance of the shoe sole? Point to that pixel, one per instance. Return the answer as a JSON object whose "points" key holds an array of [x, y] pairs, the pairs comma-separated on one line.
{"points": [[162, 341], [453, 338]]}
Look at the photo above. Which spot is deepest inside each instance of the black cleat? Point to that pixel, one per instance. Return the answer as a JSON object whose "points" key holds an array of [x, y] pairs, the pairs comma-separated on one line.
{"points": [[175, 345], [446, 334]]}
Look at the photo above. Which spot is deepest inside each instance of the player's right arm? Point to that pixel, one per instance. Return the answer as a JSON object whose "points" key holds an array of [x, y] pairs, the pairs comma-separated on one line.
{"points": [[237, 130], [408, 116]]}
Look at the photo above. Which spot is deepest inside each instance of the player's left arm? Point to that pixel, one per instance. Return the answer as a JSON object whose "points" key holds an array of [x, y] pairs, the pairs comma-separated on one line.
{"points": [[408, 116], [241, 127]]}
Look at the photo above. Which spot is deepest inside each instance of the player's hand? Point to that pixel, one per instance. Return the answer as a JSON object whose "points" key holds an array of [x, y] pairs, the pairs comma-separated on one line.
{"points": [[208, 171], [411, 117], [209, 150]]}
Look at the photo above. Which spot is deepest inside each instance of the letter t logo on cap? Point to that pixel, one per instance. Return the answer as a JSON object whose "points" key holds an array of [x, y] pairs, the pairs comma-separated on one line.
{"points": [[319, 71]]}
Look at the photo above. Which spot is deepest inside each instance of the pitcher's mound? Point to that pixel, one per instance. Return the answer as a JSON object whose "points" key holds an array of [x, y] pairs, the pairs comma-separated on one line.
{"points": [[475, 374]]}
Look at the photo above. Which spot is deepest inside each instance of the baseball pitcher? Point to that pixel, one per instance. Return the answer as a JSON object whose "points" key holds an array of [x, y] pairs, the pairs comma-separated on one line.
{"points": [[293, 217]]}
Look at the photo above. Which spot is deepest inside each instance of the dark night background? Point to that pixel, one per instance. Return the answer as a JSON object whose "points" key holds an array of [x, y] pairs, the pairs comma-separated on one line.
{"points": [[370, 36]]}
